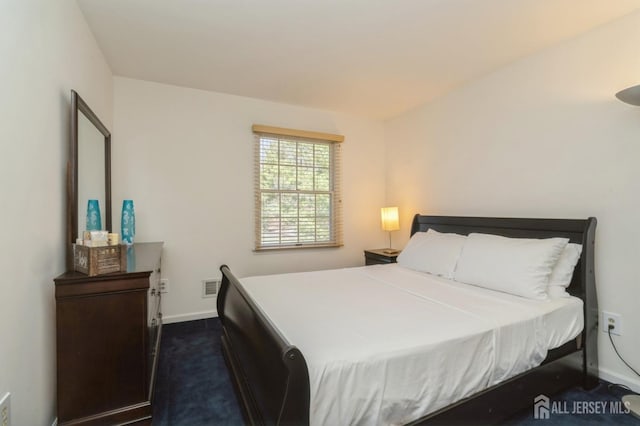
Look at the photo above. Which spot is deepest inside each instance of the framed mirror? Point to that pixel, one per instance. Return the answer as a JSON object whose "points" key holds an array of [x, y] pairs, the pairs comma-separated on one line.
{"points": [[89, 171]]}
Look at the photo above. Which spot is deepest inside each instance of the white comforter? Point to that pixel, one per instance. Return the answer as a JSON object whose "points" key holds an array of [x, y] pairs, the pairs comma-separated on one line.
{"points": [[387, 345]]}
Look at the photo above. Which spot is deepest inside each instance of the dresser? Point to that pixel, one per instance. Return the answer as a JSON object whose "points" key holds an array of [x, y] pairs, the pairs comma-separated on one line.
{"points": [[108, 330]]}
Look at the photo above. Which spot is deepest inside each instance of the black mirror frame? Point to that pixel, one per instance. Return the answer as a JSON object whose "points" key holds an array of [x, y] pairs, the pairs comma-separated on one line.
{"points": [[78, 104]]}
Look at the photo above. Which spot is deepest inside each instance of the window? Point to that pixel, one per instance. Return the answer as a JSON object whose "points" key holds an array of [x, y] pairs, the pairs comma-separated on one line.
{"points": [[297, 186]]}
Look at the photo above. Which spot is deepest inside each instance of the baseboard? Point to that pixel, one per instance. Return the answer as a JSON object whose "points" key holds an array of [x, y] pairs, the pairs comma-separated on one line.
{"points": [[612, 377], [189, 317]]}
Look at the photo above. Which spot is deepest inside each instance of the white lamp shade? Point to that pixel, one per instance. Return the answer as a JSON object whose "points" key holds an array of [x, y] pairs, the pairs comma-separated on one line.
{"points": [[389, 218]]}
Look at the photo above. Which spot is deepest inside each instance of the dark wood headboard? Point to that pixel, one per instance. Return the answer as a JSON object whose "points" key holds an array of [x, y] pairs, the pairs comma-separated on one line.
{"points": [[580, 231]]}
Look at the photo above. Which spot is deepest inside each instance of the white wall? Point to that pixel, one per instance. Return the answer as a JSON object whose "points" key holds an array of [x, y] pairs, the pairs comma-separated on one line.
{"points": [[46, 50], [543, 137], [185, 157]]}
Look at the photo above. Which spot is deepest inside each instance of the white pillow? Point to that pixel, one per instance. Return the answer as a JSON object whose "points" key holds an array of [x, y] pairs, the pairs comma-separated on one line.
{"points": [[519, 266], [563, 271], [557, 292], [432, 252]]}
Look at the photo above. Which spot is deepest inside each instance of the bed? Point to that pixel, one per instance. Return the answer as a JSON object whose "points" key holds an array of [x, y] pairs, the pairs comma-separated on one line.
{"points": [[274, 361]]}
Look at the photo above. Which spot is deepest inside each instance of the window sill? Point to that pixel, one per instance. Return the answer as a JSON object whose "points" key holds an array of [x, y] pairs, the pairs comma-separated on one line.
{"points": [[297, 247]]}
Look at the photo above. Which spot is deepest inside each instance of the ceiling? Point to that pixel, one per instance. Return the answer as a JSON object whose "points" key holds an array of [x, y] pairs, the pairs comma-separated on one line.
{"points": [[374, 58]]}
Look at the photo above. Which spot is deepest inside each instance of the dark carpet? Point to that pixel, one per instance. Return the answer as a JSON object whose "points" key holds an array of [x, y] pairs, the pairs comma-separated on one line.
{"points": [[193, 387]]}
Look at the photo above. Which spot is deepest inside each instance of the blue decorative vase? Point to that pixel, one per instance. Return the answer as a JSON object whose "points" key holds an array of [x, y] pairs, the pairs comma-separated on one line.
{"points": [[94, 221], [128, 222]]}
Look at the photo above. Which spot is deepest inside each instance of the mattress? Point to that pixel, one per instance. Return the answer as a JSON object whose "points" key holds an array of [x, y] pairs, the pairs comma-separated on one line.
{"points": [[388, 345]]}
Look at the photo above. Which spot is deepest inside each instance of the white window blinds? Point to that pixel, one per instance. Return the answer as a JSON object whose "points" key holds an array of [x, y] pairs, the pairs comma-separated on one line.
{"points": [[297, 188]]}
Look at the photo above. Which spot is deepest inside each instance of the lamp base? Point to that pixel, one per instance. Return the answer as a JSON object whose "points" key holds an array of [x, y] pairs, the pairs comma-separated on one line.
{"points": [[390, 251], [632, 403]]}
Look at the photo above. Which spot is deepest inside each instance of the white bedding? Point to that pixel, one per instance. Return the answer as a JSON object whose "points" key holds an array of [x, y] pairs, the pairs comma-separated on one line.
{"points": [[388, 345]]}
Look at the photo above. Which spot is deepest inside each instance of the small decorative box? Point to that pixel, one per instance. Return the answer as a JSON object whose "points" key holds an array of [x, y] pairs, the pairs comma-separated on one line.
{"points": [[99, 260]]}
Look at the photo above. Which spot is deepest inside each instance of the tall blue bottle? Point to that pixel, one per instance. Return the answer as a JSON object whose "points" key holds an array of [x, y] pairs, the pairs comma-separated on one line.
{"points": [[128, 222], [94, 220]]}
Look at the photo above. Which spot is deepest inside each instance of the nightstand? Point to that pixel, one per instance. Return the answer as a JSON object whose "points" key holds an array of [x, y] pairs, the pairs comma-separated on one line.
{"points": [[378, 256]]}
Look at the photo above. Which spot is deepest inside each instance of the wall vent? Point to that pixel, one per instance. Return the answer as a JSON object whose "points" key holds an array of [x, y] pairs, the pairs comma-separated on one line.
{"points": [[210, 287]]}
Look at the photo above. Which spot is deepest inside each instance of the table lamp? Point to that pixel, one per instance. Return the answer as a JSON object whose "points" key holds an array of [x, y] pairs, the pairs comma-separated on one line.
{"points": [[390, 222]]}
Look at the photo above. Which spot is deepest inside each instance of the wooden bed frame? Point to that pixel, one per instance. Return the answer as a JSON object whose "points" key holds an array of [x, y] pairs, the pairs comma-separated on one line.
{"points": [[272, 381]]}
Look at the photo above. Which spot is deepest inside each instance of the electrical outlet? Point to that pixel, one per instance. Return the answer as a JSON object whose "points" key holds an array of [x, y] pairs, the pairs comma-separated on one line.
{"points": [[164, 285], [5, 410], [610, 319]]}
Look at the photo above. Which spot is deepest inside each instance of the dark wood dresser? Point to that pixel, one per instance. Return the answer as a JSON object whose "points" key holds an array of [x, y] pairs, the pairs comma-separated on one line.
{"points": [[108, 336]]}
